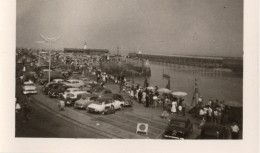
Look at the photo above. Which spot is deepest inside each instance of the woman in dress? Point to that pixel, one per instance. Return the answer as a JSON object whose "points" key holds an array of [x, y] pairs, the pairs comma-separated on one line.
{"points": [[164, 114], [143, 97], [174, 105]]}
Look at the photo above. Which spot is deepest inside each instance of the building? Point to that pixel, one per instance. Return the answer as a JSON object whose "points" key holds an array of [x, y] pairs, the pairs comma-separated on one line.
{"points": [[86, 50]]}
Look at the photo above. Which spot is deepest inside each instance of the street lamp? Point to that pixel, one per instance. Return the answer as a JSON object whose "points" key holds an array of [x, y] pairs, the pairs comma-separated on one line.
{"points": [[49, 40]]}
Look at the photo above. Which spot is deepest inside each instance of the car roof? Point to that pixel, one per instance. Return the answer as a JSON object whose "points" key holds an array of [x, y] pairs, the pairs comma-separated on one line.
{"points": [[74, 80], [104, 98], [178, 118], [72, 88], [78, 92], [213, 126]]}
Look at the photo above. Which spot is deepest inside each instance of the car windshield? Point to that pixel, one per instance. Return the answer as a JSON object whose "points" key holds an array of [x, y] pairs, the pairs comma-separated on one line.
{"points": [[31, 84], [70, 95], [177, 124]]}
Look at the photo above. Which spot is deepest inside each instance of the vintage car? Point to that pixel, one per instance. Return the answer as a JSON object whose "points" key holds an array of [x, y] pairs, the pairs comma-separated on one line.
{"points": [[214, 131], [42, 81], [69, 90], [49, 86], [101, 104], [74, 83], [84, 101], [178, 128], [29, 88], [57, 80], [100, 91], [74, 96], [121, 97], [57, 91]]}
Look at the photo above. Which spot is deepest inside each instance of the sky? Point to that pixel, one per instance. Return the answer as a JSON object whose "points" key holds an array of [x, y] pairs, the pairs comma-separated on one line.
{"points": [[184, 27]]}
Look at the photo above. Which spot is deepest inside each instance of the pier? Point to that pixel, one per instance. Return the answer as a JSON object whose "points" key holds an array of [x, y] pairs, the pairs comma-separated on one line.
{"points": [[233, 63]]}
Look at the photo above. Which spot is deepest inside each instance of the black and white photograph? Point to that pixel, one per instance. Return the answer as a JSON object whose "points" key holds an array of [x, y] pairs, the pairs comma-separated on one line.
{"points": [[164, 70]]}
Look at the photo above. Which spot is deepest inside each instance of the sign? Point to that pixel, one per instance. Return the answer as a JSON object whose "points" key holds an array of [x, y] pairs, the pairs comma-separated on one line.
{"points": [[142, 127]]}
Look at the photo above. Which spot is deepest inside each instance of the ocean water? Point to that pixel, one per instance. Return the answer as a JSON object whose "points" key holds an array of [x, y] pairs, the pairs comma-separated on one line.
{"points": [[212, 84]]}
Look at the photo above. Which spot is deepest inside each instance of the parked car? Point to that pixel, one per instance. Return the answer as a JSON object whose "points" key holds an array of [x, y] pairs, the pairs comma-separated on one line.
{"points": [[100, 91], [42, 81], [85, 101], [121, 97], [178, 128], [49, 86], [69, 90], [214, 131], [29, 88], [57, 80], [74, 83], [74, 96], [101, 104], [56, 91]]}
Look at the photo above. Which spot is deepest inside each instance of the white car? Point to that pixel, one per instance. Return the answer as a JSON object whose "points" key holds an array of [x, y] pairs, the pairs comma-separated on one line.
{"points": [[29, 88], [100, 105], [74, 83], [69, 90], [74, 96]]}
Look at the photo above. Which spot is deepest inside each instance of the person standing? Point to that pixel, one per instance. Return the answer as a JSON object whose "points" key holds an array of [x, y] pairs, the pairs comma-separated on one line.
{"points": [[147, 100], [179, 109], [17, 107], [143, 97], [174, 105], [140, 95], [164, 114], [183, 104], [234, 131], [26, 112]]}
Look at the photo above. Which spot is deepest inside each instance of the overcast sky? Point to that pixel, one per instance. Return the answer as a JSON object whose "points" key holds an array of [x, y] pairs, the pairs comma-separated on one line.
{"points": [[188, 27]]}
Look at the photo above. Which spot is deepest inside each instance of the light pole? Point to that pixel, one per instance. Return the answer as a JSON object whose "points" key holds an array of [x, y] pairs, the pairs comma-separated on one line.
{"points": [[49, 40]]}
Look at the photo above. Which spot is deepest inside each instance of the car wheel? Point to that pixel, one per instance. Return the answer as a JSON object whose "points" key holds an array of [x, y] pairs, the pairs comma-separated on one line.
{"points": [[113, 107], [121, 107]]}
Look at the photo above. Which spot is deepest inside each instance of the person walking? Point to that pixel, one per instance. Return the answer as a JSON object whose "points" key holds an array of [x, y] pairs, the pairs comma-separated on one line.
{"points": [[234, 131], [26, 112]]}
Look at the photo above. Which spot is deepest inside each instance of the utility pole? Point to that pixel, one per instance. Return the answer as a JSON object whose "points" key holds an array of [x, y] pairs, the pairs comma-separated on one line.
{"points": [[49, 40], [117, 50]]}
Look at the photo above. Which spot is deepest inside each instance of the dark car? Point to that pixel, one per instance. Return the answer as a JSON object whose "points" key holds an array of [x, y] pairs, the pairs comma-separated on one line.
{"points": [[49, 86], [42, 81], [100, 91], [213, 131], [57, 90], [178, 128]]}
